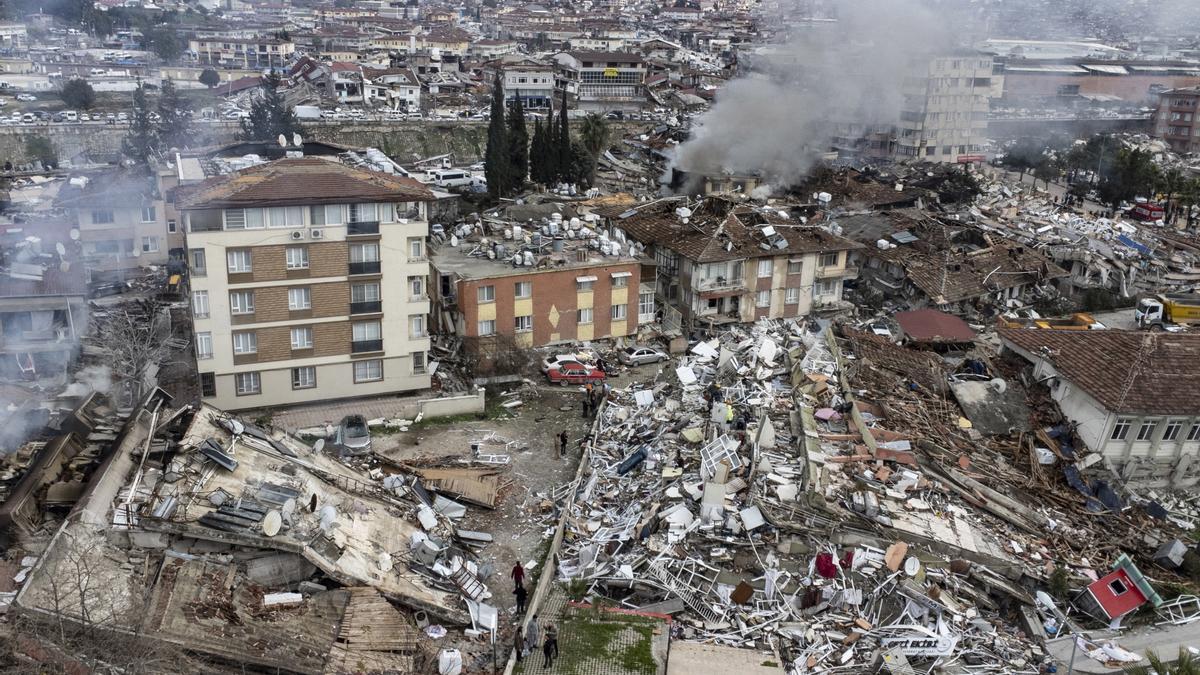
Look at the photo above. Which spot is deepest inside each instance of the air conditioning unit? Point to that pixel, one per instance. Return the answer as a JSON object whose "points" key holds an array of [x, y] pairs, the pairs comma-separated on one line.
{"points": [[297, 234], [316, 234]]}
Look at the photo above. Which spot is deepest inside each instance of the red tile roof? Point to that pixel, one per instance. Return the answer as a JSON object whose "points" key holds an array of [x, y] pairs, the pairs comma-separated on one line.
{"points": [[930, 325]]}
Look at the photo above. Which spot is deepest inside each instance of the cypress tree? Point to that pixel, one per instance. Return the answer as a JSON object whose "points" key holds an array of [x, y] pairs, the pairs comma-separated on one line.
{"points": [[497, 162], [549, 149], [565, 157], [518, 142], [537, 153]]}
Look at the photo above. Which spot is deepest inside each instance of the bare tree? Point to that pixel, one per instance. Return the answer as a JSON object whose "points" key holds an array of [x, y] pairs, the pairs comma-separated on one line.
{"points": [[133, 337]]}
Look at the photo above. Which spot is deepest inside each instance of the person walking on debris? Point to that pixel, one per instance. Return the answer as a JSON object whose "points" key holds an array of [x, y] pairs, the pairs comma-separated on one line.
{"points": [[521, 595], [586, 406], [518, 575], [550, 646], [562, 444]]}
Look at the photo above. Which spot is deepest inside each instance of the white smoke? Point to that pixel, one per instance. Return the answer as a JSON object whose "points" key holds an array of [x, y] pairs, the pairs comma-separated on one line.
{"points": [[91, 379]]}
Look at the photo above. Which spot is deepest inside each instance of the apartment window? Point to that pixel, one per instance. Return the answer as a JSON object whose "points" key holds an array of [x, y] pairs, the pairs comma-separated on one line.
{"points": [[791, 296], [418, 363], [362, 213], [239, 261], [1171, 432], [484, 294], [245, 343], [523, 289], [247, 384], [646, 304], [364, 293], [368, 371], [1146, 431], [149, 244], [329, 214], [241, 302], [362, 253], [416, 287], [416, 325], [299, 299], [416, 248], [200, 304], [762, 299], [765, 268], [304, 377], [618, 312], [204, 346], [199, 262], [208, 384], [794, 267], [102, 217], [148, 214], [1194, 432], [1121, 429], [285, 216], [523, 324], [829, 259], [487, 328], [584, 284], [243, 219], [584, 315], [621, 279], [172, 226], [302, 338], [297, 258]]}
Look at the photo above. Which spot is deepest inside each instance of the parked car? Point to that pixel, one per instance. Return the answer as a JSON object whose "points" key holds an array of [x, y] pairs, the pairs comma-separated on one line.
{"points": [[353, 435], [574, 373], [637, 356], [26, 97], [559, 360]]}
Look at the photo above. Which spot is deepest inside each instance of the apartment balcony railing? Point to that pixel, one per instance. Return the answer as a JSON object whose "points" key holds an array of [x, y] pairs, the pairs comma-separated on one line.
{"points": [[368, 267], [361, 346], [362, 228], [720, 284], [830, 272], [366, 307]]}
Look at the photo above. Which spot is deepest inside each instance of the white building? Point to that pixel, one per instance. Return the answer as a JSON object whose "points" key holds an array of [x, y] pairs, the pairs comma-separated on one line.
{"points": [[945, 112]]}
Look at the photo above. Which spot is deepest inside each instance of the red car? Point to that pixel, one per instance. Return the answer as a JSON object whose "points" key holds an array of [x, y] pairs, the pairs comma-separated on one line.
{"points": [[574, 373]]}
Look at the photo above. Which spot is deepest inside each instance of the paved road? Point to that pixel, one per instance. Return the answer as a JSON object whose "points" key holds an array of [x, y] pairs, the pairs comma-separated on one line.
{"points": [[1054, 190], [1166, 641]]}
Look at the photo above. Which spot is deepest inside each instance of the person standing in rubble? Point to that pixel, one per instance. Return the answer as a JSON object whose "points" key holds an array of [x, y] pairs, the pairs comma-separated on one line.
{"points": [[521, 595], [587, 404], [562, 444], [518, 575]]}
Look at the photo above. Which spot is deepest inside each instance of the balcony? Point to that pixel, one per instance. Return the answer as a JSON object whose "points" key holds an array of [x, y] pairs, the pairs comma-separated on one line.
{"points": [[363, 228], [367, 267], [366, 307], [721, 284], [363, 346], [833, 271]]}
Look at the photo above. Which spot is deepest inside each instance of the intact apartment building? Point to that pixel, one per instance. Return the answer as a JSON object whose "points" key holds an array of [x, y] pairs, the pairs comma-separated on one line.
{"points": [[531, 81], [121, 220], [944, 117], [308, 281], [603, 81], [1176, 120], [234, 52], [719, 262]]}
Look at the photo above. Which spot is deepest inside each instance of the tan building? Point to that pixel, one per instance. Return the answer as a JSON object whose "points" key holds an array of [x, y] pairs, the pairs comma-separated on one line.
{"points": [[1177, 120], [945, 112], [120, 219], [242, 52], [308, 281]]}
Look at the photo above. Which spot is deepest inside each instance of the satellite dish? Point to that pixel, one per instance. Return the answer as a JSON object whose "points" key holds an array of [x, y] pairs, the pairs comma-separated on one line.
{"points": [[137, 252], [319, 445], [282, 141], [74, 234], [272, 523], [62, 250], [238, 427], [296, 140], [912, 566]]}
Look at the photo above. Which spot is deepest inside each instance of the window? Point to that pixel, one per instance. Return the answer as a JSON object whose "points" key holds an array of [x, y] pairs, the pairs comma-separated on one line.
{"points": [[299, 299], [523, 324], [828, 259], [1121, 429], [765, 268], [243, 219], [239, 262], [148, 214], [584, 315], [416, 248], [362, 213], [199, 262], [1171, 432], [487, 328], [646, 304], [418, 363], [204, 346], [1146, 431], [826, 287], [621, 279], [762, 299], [1118, 587], [416, 325], [791, 296], [245, 343], [208, 384], [484, 293], [368, 371], [297, 258], [416, 287], [329, 214], [1194, 432], [364, 253], [304, 377], [149, 244], [200, 304], [302, 338], [364, 293], [618, 312], [366, 331], [794, 267], [172, 226], [285, 216], [585, 284], [102, 217], [241, 302], [523, 289], [247, 384]]}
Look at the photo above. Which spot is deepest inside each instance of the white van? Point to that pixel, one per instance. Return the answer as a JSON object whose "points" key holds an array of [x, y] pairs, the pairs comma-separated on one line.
{"points": [[448, 178], [70, 116]]}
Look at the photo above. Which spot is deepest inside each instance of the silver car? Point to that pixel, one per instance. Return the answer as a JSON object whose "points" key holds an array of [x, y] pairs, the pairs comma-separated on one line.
{"points": [[637, 356]]}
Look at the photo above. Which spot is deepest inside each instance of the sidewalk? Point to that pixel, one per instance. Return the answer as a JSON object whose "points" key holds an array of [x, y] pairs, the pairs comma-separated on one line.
{"points": [[1165, 641]]}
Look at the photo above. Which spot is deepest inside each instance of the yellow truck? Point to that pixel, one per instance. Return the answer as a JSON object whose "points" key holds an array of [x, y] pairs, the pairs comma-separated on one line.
{"points": [[1157, 312], [1077, 321]]}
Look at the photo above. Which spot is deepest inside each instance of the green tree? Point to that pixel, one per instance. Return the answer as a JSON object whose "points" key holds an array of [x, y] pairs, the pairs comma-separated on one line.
{"points": [[594, 135], [537, 153], [1130, 174], [142, 140], [270, 115], [40, 149], [174, 116], [562, 144], [1045, 171], [497, 161], [1185, 664], [579, 163], [78, 94], [1023, 155], [164, 42], [1189, 197], [209, 77], [518, 141]]}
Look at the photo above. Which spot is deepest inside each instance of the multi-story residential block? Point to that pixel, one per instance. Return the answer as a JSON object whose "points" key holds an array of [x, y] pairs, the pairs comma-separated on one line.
{"points": [[43, 315], [944, 116], [14, 38], [722, 263], [531, 81], [1177, 120], [603, 81], [308, 281], [120, 217], [242, 52]]}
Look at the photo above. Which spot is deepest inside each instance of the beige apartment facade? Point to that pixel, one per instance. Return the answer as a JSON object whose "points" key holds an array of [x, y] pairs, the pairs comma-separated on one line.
{"points": [[945, 112], [309, 282]]}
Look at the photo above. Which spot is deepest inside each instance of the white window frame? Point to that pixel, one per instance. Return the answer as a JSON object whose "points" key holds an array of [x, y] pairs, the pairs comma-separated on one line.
{"points": [[247, 384], [373, 371], [302, 337], [1120, 430], [766, 268], [297, 257], [416, 288], [299, 298], [419, 363], [284, 217], [523, 323], [150, 244], [825, 288], [198, 262], [619, 312], [416, 326], [364, 331], [486, 328], [646, 304], [239, 261], [358, 252], [584, 315], [358, 292], [762, 299], [304, 377], [151, 211], [1194, 432], [245, 342], [585, 286], [795, 266], [1146, 430], [103, 217], [523, 290], [204, 346], [1172, 430], [823, 260], [791, 296], [200, 307], [485, 294], [337, 210], [416, 248], [244, 304]]}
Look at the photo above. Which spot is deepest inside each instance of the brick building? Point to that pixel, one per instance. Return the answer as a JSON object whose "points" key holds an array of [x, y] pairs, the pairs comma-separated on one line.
{"points": [[1177, 120]]}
